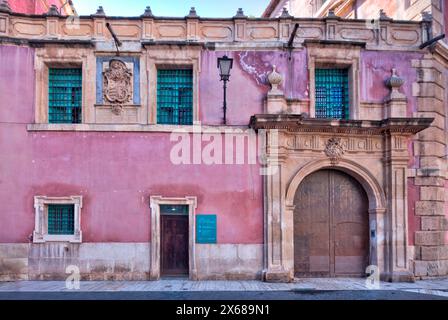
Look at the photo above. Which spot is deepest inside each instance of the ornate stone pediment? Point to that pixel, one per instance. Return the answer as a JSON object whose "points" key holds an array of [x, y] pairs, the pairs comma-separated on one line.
{"points": [[117, 85]]}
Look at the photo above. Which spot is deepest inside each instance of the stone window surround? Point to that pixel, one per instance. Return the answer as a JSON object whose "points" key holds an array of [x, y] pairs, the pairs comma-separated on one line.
{"points": [[40, 234], [43, 63], [332, 57], [155, 202], [161, 57]]}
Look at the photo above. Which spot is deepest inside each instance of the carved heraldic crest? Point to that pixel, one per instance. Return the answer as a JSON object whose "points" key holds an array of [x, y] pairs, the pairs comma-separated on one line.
{"points": [[117, 85], [334, 150]]}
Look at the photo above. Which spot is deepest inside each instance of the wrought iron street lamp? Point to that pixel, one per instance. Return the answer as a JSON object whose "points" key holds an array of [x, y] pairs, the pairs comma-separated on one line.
{"points": [[225, 65]]}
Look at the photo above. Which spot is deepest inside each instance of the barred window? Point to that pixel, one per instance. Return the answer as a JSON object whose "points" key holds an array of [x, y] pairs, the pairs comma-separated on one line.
{"points": [[175, 96], [61, 218], [64, 95], [332, 95]]}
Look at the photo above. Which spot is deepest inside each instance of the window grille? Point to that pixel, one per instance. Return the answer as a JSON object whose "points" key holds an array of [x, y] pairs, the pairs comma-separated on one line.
{"points": [[174, 209], [61, 219], [65, 95], [175, 96], [332, 97]]}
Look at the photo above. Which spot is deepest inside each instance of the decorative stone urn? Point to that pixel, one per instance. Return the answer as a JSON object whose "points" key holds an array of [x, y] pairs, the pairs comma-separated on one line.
{"points": [[275, 79], [395, 83]]}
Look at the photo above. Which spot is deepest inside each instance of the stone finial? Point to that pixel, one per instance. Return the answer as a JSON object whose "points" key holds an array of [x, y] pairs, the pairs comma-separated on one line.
{"points": [[240, 14], [147, 13], [100, 12], [4, 7], [395, 83], [383, 15], [426, 16], [53, 11], [331, 14], [275, 79], [192, 13], [285, 13]]}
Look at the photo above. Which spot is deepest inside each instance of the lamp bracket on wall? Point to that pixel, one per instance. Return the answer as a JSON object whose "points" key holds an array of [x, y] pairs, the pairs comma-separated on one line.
{"points": [[117, 41]]}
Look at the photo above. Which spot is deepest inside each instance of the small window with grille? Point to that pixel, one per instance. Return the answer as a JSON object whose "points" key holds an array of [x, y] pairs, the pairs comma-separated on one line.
{"points": [[175, 96], [57, 219], [332, 93], [61, 218], [64, 95]]}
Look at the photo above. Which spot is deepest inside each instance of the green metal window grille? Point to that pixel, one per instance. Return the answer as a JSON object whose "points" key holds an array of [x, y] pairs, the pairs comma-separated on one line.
{"points": [[332, 98], [64, 95], [175, 96], [61, 218], [174, 209]]}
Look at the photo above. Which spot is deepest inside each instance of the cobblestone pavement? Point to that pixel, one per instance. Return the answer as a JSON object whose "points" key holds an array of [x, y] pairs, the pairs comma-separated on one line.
{"points": [[437, 287]]}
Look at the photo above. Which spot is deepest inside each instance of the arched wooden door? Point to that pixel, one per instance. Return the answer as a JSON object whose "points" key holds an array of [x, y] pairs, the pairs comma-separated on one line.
{"points": [[331, 233]]}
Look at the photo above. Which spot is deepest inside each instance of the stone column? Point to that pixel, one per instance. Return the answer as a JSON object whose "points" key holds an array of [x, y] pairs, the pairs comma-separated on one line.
{"points": [[276, 266], [99, 24], [53, 22], [5, 11], [148, 24], [431, 249], [396, 222]]}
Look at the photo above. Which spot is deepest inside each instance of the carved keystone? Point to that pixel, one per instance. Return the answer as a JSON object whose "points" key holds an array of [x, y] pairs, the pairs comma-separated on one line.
{"points": [[334, 150]]}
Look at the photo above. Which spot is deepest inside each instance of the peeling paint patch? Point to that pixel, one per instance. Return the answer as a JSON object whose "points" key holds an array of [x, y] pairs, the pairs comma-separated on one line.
{"points": [[257, 65]]}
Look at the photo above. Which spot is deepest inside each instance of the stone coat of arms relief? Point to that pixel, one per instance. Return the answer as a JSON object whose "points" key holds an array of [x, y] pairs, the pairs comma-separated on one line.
{"points": [[117, 84], [334, 150]]}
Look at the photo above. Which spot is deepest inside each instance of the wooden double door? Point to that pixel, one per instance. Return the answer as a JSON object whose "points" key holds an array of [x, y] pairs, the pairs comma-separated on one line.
{"points": [[331, 226]]}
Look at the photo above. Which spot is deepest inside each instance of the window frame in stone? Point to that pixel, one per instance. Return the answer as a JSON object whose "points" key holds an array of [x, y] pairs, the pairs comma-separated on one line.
{"points": [[332, 99], [64, 95], [175, 104], [42, 204]]}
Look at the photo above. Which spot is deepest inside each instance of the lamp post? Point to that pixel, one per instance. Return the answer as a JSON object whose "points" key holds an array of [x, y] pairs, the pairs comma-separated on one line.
{"points": [[225, 64]]}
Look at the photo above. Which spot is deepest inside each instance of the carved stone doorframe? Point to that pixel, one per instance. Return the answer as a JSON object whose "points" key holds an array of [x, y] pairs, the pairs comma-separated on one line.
{"points": [[375, 153], [155, 202]]}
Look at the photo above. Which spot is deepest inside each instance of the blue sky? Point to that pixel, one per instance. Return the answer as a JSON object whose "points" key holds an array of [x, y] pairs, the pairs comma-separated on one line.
{"points": [[173, 8]]}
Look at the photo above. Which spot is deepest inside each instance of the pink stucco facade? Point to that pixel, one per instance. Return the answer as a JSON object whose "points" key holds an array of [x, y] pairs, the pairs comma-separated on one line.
{"points": [[383, 124], [115, 172]]}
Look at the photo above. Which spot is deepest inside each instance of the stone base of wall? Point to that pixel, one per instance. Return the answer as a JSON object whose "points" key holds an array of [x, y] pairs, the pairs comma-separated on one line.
{"points": [[229, 261], [96, 261], [122, 261]]}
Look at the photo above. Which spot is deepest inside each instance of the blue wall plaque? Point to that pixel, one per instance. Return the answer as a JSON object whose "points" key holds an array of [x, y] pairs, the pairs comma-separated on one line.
{"points": [[206, 228]]}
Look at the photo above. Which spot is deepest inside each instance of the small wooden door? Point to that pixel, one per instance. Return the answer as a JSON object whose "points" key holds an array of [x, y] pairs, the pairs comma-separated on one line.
{"points": [[331, 233], [174, 245]]}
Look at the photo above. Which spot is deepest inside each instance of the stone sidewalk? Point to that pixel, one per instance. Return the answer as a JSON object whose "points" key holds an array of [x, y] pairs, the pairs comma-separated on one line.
{"points": [[435, 286]]}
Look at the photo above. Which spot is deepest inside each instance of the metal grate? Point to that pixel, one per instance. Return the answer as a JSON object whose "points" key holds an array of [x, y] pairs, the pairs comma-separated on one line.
{"points": [[61, 218], [332, 98], [64, 95], [175, 96], [174, 209]]}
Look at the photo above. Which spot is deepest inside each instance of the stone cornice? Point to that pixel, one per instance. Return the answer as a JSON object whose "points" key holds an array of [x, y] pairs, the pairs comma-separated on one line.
{"points": [[297, 123], [395, 35]]}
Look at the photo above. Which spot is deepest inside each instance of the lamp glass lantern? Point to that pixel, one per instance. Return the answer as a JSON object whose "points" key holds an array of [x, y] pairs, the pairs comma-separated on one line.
{"points": [[225, 65]]}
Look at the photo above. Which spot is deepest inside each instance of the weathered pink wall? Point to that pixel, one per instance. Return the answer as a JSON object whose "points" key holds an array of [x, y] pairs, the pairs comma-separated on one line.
{"points": [[248, 83], [369, 8], [32, 6], [118, 172], [115, 172], [376, 69]]}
